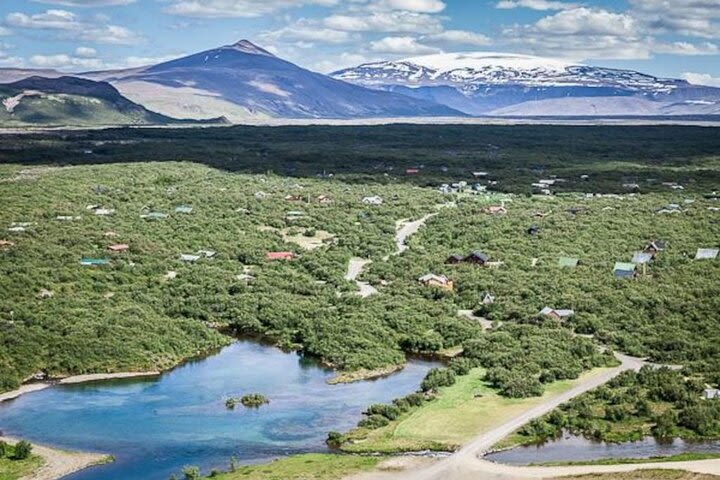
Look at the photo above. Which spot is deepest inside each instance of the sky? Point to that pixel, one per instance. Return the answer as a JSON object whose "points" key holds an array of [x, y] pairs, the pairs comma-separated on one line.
{"points": [[666, 38]]}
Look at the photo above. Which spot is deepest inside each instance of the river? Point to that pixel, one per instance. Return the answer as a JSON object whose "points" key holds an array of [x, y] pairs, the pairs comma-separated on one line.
{"points": [[572, 448], [155, 427]]}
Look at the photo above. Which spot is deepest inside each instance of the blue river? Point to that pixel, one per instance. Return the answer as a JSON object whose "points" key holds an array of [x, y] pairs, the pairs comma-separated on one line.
{"points": [[156, 427]]}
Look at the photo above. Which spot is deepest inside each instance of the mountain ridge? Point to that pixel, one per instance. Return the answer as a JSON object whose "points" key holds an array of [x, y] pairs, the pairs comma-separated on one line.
{"points": [[488, 83]]}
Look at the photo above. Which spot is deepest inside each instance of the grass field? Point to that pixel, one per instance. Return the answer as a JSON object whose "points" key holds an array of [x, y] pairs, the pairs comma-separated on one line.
{"points": [[461, 412], [15, 469], [305, 467]]}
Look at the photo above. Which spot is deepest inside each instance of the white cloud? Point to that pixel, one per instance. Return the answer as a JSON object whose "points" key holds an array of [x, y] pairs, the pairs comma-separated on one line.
{"points": [[86, 3], [402, 46], [686, 48], [389, 22], [69, 25], [238, 8], [65, 62], [459, 37], [418, 6], [692, 18], [535, 4], [587, 21], [85, 52], [583, 33], [307, 31], [702, 79]]}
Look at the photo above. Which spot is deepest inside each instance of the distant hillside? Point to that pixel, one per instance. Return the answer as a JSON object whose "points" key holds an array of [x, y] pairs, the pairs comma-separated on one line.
{"points": [[70, 101]]}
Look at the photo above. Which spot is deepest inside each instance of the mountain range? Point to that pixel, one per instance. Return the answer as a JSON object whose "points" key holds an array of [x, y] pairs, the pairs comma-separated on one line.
{"points": [[246, 83], [501, 84]]}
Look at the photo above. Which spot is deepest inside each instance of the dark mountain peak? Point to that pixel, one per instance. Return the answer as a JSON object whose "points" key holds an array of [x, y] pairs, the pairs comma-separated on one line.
{"points": [[246, 46]]}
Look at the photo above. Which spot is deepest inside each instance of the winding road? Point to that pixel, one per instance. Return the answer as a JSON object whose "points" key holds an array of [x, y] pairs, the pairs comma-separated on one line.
{"points": [[468, 464]]}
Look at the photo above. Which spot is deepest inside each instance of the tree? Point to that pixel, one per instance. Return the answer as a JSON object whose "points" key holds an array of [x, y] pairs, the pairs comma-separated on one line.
{"points": [[23, 450], [191, 473]]}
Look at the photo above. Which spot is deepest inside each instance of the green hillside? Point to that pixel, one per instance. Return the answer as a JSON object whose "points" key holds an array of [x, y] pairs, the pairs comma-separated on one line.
{"points": [[70, 101]]}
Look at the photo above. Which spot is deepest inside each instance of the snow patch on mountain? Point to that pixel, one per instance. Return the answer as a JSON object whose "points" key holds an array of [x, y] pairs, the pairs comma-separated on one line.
{"points": [[471, 72]]}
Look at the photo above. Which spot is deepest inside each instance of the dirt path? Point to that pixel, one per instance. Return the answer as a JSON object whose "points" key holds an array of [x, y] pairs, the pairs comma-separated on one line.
{"points": [[355, 268], [467, 464], [59, 463], [406, 229], [484, 322]]}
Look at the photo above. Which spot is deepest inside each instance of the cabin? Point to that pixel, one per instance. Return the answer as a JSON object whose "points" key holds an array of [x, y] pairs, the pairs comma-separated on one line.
{"points": [[375, 200], [17, 229], [455, 259], [274, 256], [189, 258], [6, 244], [104, 212], [207, 253], [261, 195], [711, 394], [487, 298], [439, 281], [495, 210], [641, 258], [183, 209], [533, 230], [477, 258], [119, 248], [539, 214], [294, 198], [707, 254], [569, 262], [655, 247], [576, 210], [245, 277], [66, 218], [557, 314], [412, 171], [153, 216], [625, 270], [45, 293], [94, 262], [480, 174], [324, 200]]}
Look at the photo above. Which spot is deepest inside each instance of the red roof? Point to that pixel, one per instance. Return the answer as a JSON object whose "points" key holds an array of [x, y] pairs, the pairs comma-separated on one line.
{"points": [[121, 247], [412, 171], [280, 255]]}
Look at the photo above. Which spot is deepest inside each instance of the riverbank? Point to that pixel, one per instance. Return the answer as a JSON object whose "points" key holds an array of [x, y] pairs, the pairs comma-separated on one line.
{"points": [[459, 413], [74, 380], [57, 463], [363, 374]]}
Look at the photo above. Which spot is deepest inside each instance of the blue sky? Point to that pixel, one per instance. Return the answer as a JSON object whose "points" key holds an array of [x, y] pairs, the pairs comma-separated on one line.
{"points": [[678, 38]]}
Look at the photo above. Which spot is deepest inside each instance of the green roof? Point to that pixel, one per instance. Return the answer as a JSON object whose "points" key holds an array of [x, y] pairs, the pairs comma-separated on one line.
{"points": [[94, 261], [625, 267], [568, 262]]}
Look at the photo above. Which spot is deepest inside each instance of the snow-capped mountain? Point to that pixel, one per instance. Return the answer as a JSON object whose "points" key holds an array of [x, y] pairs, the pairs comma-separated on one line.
{"points": [[488, 83]]}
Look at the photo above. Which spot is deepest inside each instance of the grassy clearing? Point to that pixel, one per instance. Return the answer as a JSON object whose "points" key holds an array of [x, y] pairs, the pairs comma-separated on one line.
{"points": [[459, 413], [645, 475], [305, 467], [14, 469]]}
